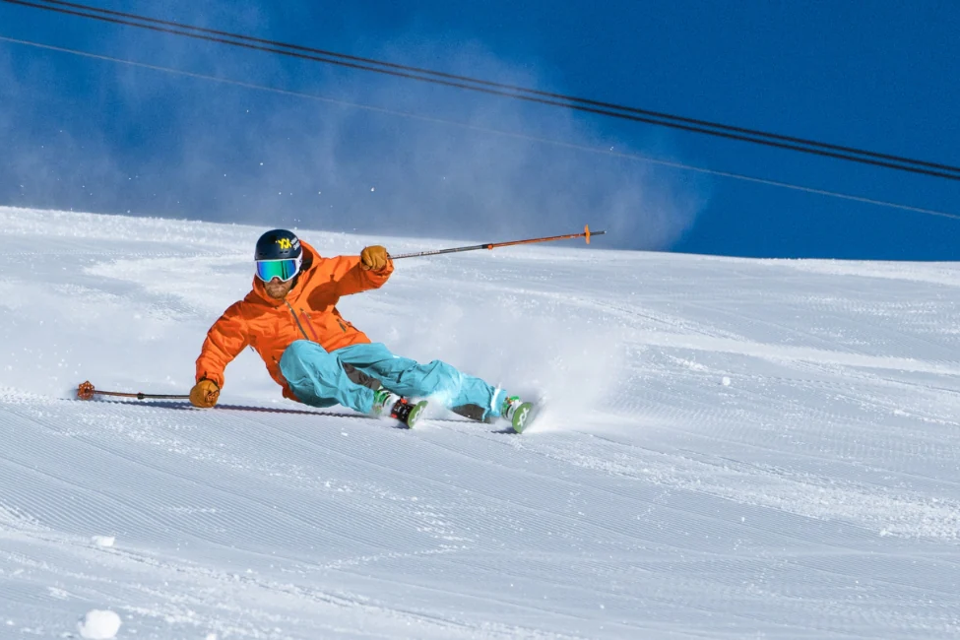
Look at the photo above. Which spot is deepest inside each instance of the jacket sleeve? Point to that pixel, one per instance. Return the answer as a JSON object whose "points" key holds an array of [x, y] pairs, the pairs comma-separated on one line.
{"points": [[351, 278], [225, 340]]}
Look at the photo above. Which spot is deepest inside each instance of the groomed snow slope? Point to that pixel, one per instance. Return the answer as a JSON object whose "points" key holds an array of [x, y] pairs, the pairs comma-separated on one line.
{"points": [[734, 448]]}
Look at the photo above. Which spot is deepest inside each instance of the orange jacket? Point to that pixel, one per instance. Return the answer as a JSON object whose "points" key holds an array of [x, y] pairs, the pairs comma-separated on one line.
{"points": [[308, 312]]}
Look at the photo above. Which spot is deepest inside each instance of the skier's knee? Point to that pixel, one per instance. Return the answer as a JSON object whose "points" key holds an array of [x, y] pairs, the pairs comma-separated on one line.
{"points": [[445, 380], [300, 354]]}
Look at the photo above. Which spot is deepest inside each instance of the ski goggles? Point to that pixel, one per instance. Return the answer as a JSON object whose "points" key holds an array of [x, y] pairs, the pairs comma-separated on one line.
{"points": [[267, 270]]}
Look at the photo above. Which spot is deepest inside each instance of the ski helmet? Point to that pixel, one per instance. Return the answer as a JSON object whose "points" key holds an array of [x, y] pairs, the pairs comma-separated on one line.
{"points": [[278, 244], [278, 255]]}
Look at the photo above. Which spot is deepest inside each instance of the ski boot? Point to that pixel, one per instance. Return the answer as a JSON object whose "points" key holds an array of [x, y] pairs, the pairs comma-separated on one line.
{"points": [[519, 413], [385, 402]]}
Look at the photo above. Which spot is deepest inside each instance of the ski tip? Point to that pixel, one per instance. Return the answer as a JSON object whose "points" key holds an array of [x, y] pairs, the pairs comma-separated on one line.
{"points": [[524, 416]]}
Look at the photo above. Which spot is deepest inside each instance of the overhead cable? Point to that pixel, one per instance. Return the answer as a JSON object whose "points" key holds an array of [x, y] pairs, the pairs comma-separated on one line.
{"points": [[801, 145], [607, 151]]}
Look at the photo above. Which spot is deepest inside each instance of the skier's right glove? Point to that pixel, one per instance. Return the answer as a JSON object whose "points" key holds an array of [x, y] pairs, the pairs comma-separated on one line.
{"points": [[205, 394]]}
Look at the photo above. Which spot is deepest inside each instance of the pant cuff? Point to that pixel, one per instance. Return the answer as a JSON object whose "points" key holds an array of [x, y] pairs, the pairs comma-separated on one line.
{"points": [[496, 402]]}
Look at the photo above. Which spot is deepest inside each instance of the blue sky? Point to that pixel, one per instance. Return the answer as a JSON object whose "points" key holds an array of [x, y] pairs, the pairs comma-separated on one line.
{"points": [[93, 135]]}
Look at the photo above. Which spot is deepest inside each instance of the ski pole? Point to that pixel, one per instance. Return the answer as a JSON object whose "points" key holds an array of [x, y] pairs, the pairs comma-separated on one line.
{"points": [[86, 391], [493, 245]]}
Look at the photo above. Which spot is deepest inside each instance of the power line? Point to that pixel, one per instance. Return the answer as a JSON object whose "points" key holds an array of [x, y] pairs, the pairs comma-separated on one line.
{"points": [[504, 90], [500, 132], [516, 88], [499, 85]]}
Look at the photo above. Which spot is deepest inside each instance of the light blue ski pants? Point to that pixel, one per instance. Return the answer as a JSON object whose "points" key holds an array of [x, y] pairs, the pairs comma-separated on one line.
{"points": [[324, 379]]}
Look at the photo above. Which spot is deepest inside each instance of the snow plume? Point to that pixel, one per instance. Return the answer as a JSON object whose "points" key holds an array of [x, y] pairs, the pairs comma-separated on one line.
{"points": [[520, 329], [132, 139], [568, 369], [49, 156]]}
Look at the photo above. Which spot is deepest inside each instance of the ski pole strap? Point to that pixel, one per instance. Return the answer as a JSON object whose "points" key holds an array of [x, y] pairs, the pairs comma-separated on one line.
{"points": [[87, 391], [494, 245]]}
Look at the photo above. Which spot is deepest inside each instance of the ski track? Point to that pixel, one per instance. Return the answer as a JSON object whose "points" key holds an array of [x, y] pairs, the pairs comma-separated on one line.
{"points": [[815, 494]]}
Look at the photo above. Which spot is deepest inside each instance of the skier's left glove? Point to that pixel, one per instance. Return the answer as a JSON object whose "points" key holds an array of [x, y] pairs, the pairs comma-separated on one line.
{"points": [[205, 394], [374, 259]]}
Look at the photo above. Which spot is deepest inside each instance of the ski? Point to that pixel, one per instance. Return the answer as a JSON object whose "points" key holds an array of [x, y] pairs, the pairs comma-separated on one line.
{"points": [[523, 416], [520, 414]]}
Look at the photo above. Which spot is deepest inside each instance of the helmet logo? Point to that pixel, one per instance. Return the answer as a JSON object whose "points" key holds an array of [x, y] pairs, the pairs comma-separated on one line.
{"points": [[285, 243]]}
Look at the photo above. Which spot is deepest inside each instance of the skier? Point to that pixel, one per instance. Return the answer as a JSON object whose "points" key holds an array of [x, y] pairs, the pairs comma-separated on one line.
{"points": [[290, 318]]}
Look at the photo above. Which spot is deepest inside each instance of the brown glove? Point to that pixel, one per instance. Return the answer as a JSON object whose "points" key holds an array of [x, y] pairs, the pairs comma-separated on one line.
{"points": [[204, 394], [375, 258]]}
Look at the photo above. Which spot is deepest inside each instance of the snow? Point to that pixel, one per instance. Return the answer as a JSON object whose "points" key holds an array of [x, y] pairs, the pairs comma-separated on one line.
{"points": [[103, 541], [99, 625], [813, 493]]}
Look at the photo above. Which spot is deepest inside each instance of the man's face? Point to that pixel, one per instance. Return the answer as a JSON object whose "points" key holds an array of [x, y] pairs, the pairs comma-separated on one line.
{"points": [[277, 289]]}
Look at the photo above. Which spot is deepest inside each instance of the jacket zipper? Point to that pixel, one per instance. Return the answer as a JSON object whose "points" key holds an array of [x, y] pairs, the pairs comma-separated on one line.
{"points": [[297, 320]]}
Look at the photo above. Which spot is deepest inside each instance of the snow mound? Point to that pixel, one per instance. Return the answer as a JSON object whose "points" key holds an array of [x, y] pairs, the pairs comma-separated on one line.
{"points": [[99, 625]]}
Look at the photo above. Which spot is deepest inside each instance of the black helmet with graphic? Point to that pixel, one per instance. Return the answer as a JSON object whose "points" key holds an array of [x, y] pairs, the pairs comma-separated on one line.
{"points": [[278, 256], [278, 244]]}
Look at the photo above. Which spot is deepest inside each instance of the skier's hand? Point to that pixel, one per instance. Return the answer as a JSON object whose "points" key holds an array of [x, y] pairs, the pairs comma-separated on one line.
{"points": [[374, 258], [205, 394]]}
